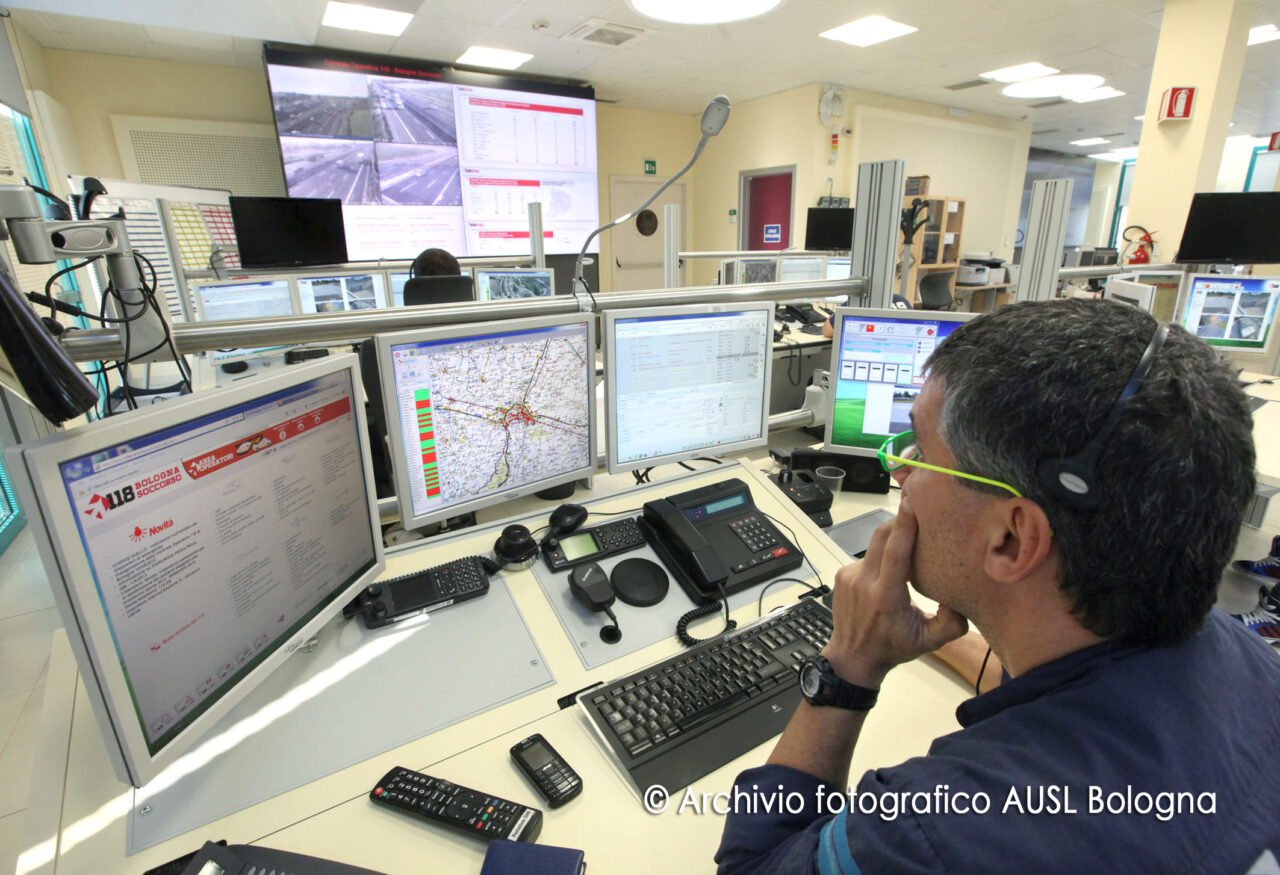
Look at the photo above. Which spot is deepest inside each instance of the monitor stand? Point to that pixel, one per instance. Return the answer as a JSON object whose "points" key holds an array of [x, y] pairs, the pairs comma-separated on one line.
{"points": [[557, 493]]}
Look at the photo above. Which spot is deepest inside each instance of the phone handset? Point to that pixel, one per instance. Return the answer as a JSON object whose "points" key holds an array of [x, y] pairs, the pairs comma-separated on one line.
{"points": [[687, 545]]}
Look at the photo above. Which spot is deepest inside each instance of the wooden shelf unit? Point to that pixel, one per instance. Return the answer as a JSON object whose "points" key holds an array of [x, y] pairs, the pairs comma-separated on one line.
{"points": [[937, 245]]}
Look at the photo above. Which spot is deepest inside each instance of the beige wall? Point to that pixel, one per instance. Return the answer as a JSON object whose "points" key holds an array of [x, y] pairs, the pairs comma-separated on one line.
{"points": [[146, 87], [981, 159], [625, 138]]}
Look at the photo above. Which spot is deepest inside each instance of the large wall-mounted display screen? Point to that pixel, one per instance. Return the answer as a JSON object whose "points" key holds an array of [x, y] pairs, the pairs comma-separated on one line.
{"points": [[422, 154]]}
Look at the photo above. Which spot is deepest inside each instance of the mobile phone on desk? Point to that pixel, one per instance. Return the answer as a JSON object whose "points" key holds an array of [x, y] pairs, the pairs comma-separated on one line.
{"points": [[550, 775]]}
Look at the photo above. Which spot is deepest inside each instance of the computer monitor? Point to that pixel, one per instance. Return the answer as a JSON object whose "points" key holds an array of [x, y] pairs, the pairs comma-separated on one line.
{"points": [[877, 370], [801, 268], [1071, 256], [219, 300], [288, 231], [829, 229], [757, 270], [1234, 312], [1168, 290], [688, 381], [1105, 256], [506, 283], [481, 413], [243, 299], [341, 292], [1126, 291], [728, 271], [1086, 258], [395, 283], [193, 546], [839, 268], [1231, 228]]}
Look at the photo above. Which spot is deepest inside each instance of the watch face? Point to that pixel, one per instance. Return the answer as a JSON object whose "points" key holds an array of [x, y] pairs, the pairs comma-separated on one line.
{"points": [[810, 679]]}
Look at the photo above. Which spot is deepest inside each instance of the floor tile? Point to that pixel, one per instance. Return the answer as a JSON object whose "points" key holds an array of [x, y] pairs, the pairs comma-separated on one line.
{"points": [[10, 710], [11, 840], [17, 756], [24, 587], [24, 649]]}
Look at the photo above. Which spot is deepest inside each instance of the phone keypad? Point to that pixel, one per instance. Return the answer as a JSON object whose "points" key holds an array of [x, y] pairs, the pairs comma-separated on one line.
{"points": [[755, 533]]}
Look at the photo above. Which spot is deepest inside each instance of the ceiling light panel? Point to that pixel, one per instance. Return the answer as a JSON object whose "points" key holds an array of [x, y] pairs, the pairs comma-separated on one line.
{"points": [[1263, 33], [868, 31], [1065, 85], [368, 19], [1104, 93], [1018, 73], [702, 11], [497, 59], [1091, 141]]}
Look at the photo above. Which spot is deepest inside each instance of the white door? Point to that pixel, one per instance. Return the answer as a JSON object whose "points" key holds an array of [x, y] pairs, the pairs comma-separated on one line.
{"points": [[637, 243]]}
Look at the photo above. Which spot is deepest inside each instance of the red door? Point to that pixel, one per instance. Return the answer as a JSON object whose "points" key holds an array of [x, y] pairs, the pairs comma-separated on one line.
{"points": [[769, 211]]}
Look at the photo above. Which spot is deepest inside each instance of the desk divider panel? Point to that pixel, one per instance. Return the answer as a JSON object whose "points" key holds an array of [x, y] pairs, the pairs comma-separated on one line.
{"points": [[323, 711]]}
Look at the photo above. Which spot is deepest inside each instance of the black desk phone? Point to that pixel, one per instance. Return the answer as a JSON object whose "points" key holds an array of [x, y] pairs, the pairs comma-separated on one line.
{"points": [[715, 537], [804, 313]]}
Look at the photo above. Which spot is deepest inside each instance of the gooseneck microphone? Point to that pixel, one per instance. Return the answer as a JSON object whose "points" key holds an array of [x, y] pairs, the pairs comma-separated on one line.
{"points": [[713, 120]]}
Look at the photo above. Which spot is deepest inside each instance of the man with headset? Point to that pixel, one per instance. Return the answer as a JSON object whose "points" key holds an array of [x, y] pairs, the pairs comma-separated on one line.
{"points": [[1073, 485]]}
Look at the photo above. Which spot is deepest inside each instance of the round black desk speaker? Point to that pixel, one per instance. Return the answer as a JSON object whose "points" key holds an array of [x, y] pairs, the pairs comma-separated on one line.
{"points": [[515, 548], [639, 582]]}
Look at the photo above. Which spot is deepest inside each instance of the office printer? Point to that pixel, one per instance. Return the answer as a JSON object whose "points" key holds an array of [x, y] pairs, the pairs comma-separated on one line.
{"points": [[980, 269]]}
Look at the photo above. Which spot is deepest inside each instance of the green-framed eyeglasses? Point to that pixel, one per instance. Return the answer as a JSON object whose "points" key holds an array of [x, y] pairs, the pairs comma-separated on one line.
{"points": [[900, 449]]}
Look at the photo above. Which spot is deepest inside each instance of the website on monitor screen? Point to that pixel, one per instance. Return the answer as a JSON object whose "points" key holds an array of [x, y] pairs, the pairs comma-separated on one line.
{"points": [[211, 541]]}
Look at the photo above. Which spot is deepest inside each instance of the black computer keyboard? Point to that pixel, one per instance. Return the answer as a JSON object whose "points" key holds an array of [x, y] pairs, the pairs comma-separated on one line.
{"points": [[674, 722]]}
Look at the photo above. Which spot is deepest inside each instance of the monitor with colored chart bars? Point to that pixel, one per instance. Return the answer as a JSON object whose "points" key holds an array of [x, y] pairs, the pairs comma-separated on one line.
{"points": [[482, 413]]}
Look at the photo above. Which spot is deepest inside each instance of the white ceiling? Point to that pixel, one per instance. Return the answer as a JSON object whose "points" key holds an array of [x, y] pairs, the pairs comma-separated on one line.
{"points": [[677, 68]]}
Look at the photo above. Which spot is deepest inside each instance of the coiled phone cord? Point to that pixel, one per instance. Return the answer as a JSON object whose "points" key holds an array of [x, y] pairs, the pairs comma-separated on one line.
{"points": [[682, 625]]}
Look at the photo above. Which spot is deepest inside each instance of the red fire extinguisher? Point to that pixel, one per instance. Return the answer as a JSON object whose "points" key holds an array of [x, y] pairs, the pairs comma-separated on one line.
{"points": [[1143, 246]]}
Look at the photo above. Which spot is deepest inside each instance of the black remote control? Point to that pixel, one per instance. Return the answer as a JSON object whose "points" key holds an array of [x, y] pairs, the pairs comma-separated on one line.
{"points": [[592, 544], [547, 770], [477, 814], [408, 595]]}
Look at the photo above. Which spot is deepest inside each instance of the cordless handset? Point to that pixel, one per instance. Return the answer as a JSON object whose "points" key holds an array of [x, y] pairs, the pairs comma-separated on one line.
{"points": [[550, 775]]}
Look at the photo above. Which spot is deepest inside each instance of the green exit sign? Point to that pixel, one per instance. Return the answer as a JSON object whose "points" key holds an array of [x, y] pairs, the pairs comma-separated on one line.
{"points": [[650, 167]]}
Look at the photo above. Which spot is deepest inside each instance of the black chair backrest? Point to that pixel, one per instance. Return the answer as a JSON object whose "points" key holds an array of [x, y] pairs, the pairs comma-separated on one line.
{"points": [[438, 290], [935, 290]]}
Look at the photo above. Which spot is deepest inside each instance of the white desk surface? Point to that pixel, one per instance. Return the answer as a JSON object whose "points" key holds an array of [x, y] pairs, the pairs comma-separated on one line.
{"points": [[76, 812]]}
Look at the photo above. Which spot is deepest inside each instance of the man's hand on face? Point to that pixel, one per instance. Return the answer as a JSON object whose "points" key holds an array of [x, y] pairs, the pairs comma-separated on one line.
{"points": [[876, 625]]}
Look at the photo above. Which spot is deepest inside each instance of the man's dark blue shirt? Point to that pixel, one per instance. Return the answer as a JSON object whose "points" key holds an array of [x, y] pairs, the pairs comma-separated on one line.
{"points": [[1198, 722]]}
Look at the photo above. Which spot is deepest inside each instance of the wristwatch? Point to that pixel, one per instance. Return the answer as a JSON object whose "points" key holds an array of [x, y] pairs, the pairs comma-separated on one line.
{"points": [[820, 686]]}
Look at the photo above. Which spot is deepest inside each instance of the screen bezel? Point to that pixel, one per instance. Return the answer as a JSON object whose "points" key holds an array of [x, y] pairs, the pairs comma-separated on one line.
{"points": [[841, 313], [610, 318], [383, 344], [476, 271], [53, 520]]}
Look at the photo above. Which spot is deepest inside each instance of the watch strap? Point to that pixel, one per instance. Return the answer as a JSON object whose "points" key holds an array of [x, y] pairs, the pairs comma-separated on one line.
{"points": [[839, 693]]}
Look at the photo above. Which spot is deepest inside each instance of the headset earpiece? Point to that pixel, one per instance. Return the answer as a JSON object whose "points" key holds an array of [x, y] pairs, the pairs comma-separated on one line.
{"points": [[1073, 479]]}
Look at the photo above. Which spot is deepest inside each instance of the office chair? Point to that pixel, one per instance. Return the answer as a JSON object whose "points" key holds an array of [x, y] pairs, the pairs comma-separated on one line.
{"points": [[934, 290], [439, 290]]}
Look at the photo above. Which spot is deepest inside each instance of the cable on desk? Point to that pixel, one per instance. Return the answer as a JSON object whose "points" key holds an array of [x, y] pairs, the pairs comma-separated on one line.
{"points": [[772, 583]]}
